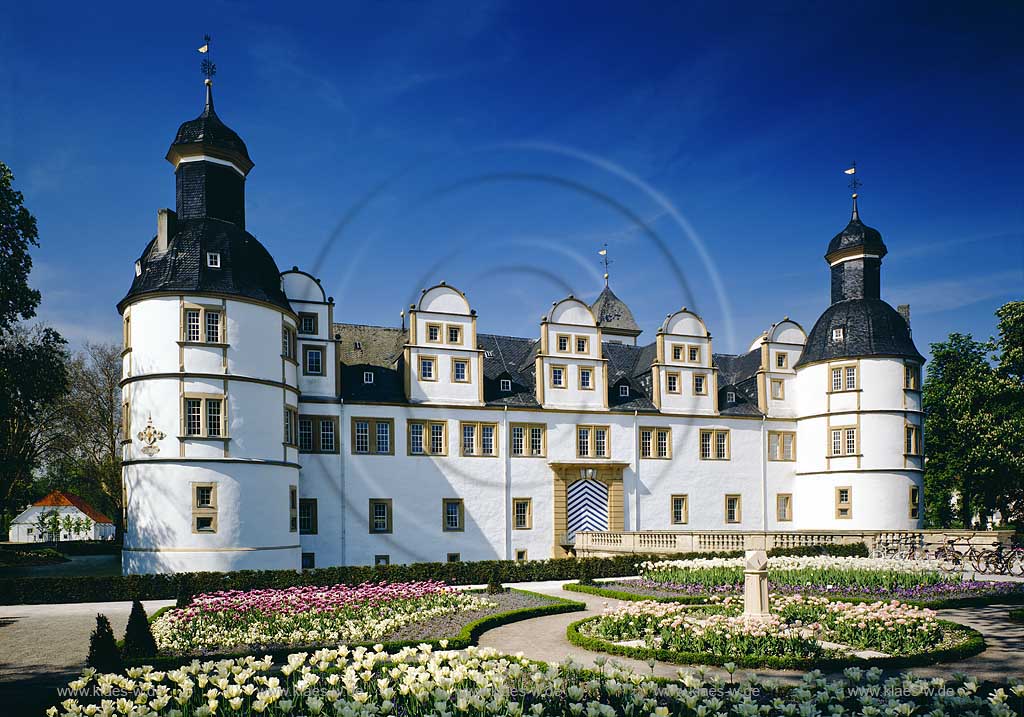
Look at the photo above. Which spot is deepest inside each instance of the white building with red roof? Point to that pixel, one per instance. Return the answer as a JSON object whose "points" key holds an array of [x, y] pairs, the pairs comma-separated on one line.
{"points": [[76, 520]]}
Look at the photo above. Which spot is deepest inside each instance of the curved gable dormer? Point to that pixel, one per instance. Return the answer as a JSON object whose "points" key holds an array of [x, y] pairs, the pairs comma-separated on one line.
{"points": [[781, 346], [571, 368], [444, 299], [301, 286], [683, 376], [443, 363]]}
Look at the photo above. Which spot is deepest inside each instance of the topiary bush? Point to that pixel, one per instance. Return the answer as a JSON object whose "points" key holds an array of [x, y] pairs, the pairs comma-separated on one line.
{"points": [[138, 637], [103, 653], [494, 586]]}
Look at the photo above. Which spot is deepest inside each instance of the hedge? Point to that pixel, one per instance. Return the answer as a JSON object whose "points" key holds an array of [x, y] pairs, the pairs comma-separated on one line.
{"points": [[58, 589], [468, 635], [971, 644], [1017, 615], [68, 547]]}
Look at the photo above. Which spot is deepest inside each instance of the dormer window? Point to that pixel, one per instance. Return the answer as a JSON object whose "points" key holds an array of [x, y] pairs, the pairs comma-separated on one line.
{"points": [[359, 346], [367, 376], [506, 385], [838, 333], [623, 391], [730, 397], [213, 259], [488, 354]]}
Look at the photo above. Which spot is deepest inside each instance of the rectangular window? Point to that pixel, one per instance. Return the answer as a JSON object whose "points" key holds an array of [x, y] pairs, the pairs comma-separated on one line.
{"points": [[291, 427], [851, 441], [372, 436], [558, 376], [655, 442], [192, 325], [126, 420], [438, 439], [528, 439], [700, 384], [582, 344], [522, 513], [915, 502], [677, 353], [307, 516], [204, 496], [837, 333], [205, 524], [478, 439], [328, 443], [434, 333], [562, 343], [843, 441], [693, 354], [382, 560], [380, 515], [126, 333], [193, 417], [308, 561], [428, 364], [781, 446], [586, 379], [454, 334], [646, 442], [778, 389], [453, 514], [213, 327], [518, 441], [313, 360], [912, 441], [672, 382], [416, 438], [506, 385], [308, 323], [784, 507], [537, 440], [851, 378], [306, 435], [911, 377], [460, 370], [733, 509], [781, 359], [454, 557], [680, 509], [287, 343], [844, 503], [213, 417], [592, 442], [213, 259], [837, 379], [521, 556], [367, 376], [714, 445], [293, 509], [623, 391]]}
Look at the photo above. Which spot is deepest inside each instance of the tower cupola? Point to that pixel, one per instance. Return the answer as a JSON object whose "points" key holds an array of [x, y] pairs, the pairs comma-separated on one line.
{"points": [[855, 255], [211, 163]]}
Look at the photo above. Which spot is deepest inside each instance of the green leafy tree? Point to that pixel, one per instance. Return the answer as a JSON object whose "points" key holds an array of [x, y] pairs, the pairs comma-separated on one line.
{"points": [[67, 525], [974, 427], [42, 524], [53, 525], [86, 527], [18, 233]]}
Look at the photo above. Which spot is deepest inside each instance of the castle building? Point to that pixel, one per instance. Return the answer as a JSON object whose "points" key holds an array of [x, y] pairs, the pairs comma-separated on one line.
{"points": [[263, 432]]}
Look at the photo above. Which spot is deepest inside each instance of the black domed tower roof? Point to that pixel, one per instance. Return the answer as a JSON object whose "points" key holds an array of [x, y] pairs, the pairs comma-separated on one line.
{"points": [[858, 323], [210, 166], [612, 314]]}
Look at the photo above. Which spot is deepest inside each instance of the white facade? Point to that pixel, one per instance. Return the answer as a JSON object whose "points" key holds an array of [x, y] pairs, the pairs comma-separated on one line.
{"points": [[26, 528]]}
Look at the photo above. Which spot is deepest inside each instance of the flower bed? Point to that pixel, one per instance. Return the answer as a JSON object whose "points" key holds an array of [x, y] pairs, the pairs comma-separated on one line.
{"points": [[920, 582], [309, 615], [419, 681], [800, 630]]}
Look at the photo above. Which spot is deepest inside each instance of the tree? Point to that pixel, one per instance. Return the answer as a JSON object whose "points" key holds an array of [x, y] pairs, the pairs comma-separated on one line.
{"points": [[18, 232], [974, 426], [67, 525], [103, 654], [42, 524], [138, 636]]}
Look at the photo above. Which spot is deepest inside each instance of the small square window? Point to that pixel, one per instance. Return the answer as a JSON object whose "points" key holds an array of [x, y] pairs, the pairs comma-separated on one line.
{"points": [[367, 376], [453, 516], [838, 333], [623, 391], [520, 556], [730, 397], [434, 333], [454, 557], [781, 359], [506, 385], [308, 323], [427, 369], [454, 334], [204, 496], [308, 561], [204, 524], [460, 370], [694, 354], [213, 259], [582, 344], [382, 560]]}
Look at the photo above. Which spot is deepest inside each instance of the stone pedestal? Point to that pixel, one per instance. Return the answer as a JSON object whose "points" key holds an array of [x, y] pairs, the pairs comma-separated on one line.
{"points": [[755, 584]]}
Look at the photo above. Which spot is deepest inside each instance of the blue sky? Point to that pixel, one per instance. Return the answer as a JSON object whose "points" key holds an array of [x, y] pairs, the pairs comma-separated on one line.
{"points": [[499, 145]]}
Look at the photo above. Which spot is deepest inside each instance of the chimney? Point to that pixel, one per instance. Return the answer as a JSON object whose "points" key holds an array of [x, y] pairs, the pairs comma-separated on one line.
{"points": [[904, 311], [166, 225]]}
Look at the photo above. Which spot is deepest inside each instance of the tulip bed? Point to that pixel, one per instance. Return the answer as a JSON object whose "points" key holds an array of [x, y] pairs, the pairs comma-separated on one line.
{"points": [[801, 630], [921, 582], [480, 681], [311, 615]]}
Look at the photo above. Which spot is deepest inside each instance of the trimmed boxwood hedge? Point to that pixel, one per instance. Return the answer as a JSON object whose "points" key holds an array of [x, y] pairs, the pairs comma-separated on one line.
{"points": [[971, 644], [45, 590], [938, 604], [1017, 615], [468, 635]]}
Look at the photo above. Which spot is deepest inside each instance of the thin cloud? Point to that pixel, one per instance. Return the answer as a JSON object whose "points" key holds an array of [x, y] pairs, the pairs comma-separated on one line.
{"points": [[940, 295]]}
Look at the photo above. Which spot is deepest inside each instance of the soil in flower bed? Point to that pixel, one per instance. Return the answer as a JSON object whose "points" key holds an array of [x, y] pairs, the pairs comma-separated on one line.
{"points": [[450, 625]]}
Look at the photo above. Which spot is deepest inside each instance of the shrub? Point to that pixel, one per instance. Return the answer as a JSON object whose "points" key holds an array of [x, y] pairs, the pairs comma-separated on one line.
{"points": [[494, 586], [103, 654], [138, 637], [853, 550]]}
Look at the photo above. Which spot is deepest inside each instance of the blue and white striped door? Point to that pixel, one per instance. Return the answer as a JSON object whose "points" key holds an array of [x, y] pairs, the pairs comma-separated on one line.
{"points": [[587, 506]]}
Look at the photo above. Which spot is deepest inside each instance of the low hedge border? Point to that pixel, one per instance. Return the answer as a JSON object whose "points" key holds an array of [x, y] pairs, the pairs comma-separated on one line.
{"points": [[940, 604], [1017, 615], [468, 635], [973, 643]]}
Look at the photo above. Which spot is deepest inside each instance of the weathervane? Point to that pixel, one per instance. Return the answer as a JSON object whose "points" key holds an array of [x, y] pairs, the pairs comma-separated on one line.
{"points": [[209, 69], [606, 261], [854, 182]]}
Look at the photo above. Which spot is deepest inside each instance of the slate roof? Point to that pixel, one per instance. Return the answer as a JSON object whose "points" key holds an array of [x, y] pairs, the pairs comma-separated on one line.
{"points": [[63, 498], [210, 131], [857, 235], [378, 349], [246, 267], [870, 328], [612, 313]]}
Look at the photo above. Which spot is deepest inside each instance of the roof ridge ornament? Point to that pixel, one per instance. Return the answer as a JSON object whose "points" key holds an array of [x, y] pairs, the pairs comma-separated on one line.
{"points": [[854, 185], [209, 69], [606, 261]]}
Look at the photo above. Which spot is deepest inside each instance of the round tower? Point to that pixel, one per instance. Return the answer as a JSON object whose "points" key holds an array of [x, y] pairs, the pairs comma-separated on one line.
{"points": [[210, 397], [859, 426]]}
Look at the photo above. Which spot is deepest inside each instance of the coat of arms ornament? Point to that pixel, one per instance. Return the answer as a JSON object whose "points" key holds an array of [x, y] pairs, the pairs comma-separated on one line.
{"points": [[150, 435]]}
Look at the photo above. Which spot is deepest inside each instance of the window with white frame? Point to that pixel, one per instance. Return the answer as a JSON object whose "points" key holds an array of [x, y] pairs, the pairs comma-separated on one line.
{"points": [[558, 376], [586, 378], [506, 385], [308, 323], [305, 434], [380, 515], [778, 389], [460, 370], [367, 376], [781, 445], [427, 438], [478, 439], [428, 368], [784, 507], [204, 417], [313, 360], [528, 439], [733, 509], [912, 440], [672, 382], [714, 445], [623, 391], [655, 442], [453, 514], [522, 513], [592, 442], [213, 259], [680, 509], [693, 354], [843, 441], [434, 333], [700, 384], [372, 436], [837, 333], [844, 502], [213, 332]]}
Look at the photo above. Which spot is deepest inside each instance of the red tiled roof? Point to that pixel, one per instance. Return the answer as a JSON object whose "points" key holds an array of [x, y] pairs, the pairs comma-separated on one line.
{"points": [[59, 497]]}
